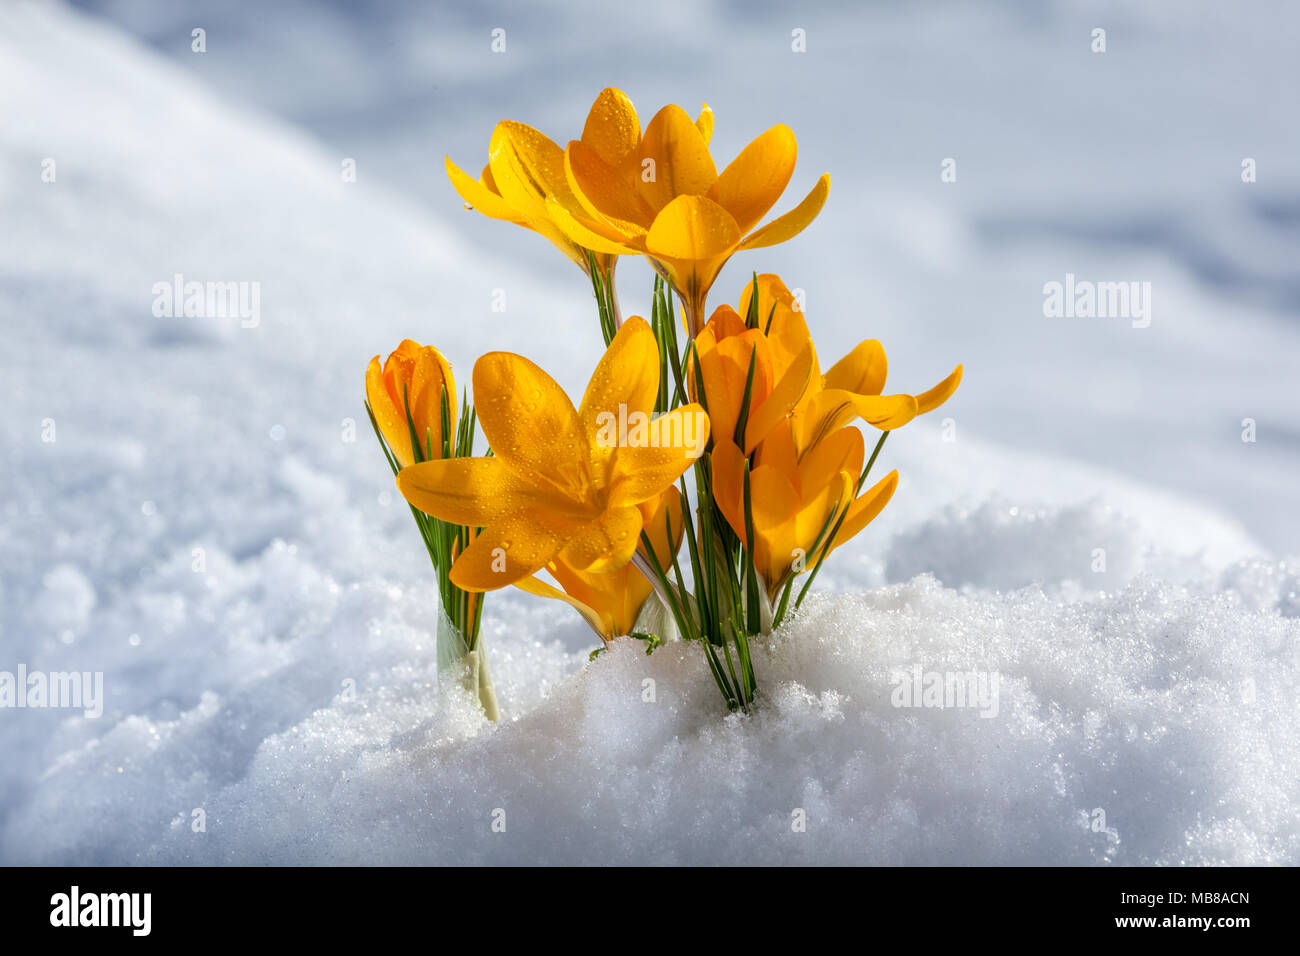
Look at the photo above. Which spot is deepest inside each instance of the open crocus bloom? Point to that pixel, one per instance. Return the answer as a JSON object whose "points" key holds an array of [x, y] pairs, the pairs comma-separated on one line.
{"points": [[413, 376], [851, 388], [552, 487], [524, 180], [659, 194], [611, 602]]}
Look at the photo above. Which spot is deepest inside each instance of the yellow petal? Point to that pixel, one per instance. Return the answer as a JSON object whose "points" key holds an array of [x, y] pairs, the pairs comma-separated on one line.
{"points": [[784, 396], [625, 381], [477, 195], [613, 129], [527, 167], [755, 179], [512, 548], [470, 491], [604, 193], [793, 222], [725, 370], [680, 161], [531, 424], [830, 500], [692, 227], [390, 419], [772, 496], [841, 450], [830, 409], [431, 374], [583, 234], [865, 508], [656, 522], [862, 371], [929, 400], [606, 543], [641, 472], [704, 123]]}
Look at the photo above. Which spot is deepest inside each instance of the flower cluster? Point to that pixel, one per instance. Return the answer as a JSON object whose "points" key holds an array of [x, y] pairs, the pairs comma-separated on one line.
{"points": [[591, 504]]}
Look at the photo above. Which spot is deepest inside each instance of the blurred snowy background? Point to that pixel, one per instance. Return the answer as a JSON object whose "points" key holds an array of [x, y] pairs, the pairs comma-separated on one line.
{"points": [[183, 509]]}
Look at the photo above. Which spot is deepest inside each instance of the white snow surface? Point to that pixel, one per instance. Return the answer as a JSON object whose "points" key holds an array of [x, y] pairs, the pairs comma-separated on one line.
{"points": [[204, 532]]}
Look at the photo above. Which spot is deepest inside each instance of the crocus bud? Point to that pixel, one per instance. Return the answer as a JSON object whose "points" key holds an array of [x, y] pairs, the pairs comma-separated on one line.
{"points": [[412, 378]]}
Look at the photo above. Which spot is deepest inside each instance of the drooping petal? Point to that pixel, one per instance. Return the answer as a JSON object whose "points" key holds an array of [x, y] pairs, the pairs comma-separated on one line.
{"points": [[477, 196], [605, 543], [753, 181], [471, 491], [531, 424], [862, 371], [680, 163], [511, 548], [932, 398], [599, 622], [830, 409], [678, 438], [793, 222], [865, 507]]}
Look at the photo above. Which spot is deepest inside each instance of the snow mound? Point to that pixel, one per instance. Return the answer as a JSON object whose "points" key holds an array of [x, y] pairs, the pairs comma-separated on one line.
{"points": [[1154, 726]]}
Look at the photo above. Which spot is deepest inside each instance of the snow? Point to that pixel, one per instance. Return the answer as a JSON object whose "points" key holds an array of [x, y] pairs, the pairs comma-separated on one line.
{"points": [[203, 530]]}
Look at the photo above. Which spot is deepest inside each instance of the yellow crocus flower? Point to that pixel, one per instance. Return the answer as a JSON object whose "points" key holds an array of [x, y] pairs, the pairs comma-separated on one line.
{"points": [[524, 181], [554, 485], [416, 375], [658, 193]]}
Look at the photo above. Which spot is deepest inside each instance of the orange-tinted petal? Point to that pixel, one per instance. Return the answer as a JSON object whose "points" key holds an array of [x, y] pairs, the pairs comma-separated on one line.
{"points": [[390, 419]]}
